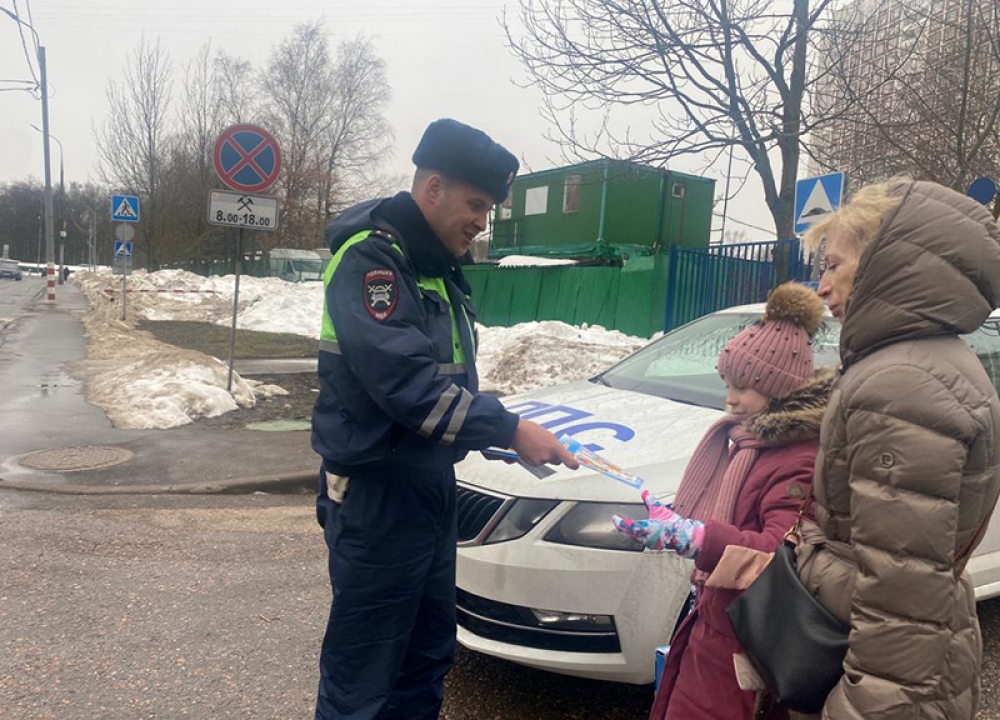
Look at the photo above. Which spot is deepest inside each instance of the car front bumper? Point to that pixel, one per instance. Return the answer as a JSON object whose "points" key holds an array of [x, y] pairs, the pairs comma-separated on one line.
{"points": [[634, 598]]}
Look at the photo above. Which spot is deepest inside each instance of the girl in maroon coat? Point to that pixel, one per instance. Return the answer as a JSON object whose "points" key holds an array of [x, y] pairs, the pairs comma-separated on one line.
{"points": [[740, 494]]}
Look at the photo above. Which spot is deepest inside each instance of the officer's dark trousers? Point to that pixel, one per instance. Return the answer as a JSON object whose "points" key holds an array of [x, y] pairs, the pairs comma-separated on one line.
{"points": [[390, 639]]}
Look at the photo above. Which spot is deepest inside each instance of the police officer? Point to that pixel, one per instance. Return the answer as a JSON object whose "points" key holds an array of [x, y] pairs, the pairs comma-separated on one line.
{"points": [[398, 407]]}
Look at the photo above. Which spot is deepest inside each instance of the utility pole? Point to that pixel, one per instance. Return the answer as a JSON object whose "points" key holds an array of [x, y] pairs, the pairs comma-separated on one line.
{"points": [[62, 206], [50, 240]]}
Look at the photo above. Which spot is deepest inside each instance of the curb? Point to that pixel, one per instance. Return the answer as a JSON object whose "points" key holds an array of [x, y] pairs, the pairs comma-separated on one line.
{"points": [[300, 483]]}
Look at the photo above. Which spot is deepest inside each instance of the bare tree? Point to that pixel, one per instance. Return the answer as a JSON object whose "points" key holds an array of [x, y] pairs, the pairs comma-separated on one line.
{"points": [[236, 90], [359, 139], [201, 111], [939, 118], [719, 73], [328, 116], [132, 142], [299, 82], [190, 174]]}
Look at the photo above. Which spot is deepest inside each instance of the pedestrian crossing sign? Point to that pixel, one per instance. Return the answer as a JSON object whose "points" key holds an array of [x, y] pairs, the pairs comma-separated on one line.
{"points": [[816, 198], [123, 249], [125, 208]]}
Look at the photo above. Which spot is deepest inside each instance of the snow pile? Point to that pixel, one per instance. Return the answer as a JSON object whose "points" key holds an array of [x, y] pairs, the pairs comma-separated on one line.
{"points": [[142, 383], [513, 261], [280, 307], [538, 354], [159, 391], [266, 304], [204, 299]]}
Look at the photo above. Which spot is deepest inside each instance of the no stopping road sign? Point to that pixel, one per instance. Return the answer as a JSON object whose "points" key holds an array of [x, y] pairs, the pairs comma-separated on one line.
{"points": [[247, 158]]}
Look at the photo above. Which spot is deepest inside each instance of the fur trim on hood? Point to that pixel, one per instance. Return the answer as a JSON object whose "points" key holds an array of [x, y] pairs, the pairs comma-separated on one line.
{"points": [[796, 416]]}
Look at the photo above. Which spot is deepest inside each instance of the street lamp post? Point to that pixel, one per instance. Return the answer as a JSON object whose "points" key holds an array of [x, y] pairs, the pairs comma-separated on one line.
{"points": [[62, 196], [62, 174], [50, 240]]}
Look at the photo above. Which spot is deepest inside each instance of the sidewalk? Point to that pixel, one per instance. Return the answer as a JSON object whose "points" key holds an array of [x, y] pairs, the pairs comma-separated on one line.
{"points": [[43, 408]]}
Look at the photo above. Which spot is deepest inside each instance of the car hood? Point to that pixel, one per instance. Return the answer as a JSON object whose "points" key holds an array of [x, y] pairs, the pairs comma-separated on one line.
{"points": [[649, 436]]}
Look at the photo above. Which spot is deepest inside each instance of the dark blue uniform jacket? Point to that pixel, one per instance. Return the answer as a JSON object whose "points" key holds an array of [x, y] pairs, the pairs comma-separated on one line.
{"points": [[392, 392]]}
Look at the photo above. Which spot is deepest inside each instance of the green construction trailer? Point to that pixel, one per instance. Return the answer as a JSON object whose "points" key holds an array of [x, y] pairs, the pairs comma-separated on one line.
{"points": [[603, 209], [615, 222]]}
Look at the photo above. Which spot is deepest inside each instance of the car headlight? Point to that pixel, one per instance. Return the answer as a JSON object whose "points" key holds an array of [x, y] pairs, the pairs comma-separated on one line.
{"points": [[523, 515], [589, 525]]}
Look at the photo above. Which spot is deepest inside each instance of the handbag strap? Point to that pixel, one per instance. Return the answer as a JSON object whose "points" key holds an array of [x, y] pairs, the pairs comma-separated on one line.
{"points": [[794, 534], [962, 557]]}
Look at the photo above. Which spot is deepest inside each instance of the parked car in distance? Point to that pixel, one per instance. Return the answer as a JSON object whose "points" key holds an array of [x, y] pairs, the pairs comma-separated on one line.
{"points": [[9, 269], [544, 579]]}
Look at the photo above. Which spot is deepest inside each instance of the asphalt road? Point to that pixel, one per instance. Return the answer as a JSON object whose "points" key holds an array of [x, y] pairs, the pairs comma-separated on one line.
{"points": [[213, 607], [16, 296]]}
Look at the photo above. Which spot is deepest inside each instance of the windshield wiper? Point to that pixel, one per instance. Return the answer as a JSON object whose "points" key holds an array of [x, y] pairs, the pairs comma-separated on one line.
{"points": [[601, 380]]}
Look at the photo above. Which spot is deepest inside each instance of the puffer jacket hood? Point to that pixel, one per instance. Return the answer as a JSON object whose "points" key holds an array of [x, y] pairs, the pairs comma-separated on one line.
{"points": [[933, 269]]}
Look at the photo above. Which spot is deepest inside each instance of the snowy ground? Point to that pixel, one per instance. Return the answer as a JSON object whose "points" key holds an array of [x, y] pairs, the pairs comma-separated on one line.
{"points": [[181, 384], [142, 383]]}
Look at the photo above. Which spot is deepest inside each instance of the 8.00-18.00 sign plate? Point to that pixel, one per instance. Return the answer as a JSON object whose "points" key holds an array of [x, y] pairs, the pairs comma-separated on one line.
{"points": [[256, 212]]}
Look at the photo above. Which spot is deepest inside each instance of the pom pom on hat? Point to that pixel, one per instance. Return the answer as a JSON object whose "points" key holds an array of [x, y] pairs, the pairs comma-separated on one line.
{"points": [[796, 304], [774, 356]]}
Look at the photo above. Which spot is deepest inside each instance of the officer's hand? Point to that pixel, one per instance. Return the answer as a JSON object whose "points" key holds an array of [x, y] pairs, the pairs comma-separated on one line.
{"points": [[537, 446]]}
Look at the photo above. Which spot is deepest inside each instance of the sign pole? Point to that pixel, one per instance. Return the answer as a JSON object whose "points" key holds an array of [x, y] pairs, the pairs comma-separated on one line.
{"points": [[236, 307], [124, 293]]}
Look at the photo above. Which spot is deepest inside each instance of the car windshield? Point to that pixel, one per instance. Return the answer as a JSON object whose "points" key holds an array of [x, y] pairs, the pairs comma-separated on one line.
{"points": [[681, 365]]}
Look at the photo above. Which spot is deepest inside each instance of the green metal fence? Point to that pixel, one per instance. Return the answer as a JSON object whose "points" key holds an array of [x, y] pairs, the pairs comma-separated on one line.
{"points": [[646, 295], [629, 298]]}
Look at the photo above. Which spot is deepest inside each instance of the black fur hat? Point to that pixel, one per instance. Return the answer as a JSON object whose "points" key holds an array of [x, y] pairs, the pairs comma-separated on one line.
{"points": [[467, 154]]}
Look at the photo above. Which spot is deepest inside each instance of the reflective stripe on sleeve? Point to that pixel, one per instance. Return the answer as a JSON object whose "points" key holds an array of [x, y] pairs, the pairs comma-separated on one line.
{"points": [[458, 418], [443, 403], [329, 346], [451, 369]]}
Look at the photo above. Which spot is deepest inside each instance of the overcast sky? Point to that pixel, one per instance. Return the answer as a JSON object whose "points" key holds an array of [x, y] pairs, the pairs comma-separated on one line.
{"points": [[445, 58]]}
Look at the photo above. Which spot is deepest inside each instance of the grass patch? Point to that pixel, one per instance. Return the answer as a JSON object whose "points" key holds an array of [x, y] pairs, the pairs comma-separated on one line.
{"points": [[214, 340]]}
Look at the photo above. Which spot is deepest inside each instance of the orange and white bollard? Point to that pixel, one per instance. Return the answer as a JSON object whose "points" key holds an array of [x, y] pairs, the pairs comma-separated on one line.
{"points": [[50, 274]]}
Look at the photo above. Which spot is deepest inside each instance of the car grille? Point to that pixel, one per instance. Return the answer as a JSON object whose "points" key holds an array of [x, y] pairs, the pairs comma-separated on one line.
{"points": [[475, 511], [515, 625]]}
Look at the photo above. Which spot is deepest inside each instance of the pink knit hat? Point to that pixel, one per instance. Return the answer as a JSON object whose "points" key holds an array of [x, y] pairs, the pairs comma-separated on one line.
{"points": [[774, 356]]}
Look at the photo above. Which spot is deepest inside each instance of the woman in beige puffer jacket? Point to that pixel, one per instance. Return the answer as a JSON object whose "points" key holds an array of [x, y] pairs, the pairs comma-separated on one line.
{"points": [[908, 471]]}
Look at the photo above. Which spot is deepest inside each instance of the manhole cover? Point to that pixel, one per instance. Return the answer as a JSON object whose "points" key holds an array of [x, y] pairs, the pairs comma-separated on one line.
{"points": [[280, 425], [75, 459]]}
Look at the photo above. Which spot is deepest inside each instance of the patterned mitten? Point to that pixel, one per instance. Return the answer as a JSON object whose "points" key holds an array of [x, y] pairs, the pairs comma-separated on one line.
{"points": [[664, 530]]}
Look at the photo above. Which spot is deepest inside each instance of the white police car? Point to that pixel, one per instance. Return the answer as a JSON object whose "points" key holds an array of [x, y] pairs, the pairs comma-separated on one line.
{"points": [[544, 579]]}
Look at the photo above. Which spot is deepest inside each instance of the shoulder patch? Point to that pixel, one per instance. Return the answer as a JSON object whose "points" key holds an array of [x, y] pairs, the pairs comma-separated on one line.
{"points": [[795, 491], [380, 292]]}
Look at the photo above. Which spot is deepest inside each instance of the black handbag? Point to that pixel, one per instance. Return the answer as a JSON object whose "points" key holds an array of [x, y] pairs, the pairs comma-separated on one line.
{"points": [[796, 644]]}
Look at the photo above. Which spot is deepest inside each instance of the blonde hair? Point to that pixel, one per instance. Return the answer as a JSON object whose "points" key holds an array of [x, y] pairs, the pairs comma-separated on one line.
{"points": [[859, 221]]}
